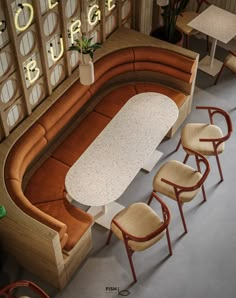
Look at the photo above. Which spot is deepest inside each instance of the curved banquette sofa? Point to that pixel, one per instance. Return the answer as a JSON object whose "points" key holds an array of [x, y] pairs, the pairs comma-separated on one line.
{"points": [[66, 229]]}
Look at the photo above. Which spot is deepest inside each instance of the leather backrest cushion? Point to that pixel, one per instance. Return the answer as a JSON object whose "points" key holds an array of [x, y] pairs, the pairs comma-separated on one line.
{"points": [[14, 188], [164, 56], [161, 68], [115, 100], [112, 60], [62, 112], [111, 73], [24, 151], [178, 97], [62, 105]]}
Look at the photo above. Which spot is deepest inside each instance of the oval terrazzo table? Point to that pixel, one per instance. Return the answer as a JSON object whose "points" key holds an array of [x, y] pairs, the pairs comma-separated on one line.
{"points": [[108, 166]]}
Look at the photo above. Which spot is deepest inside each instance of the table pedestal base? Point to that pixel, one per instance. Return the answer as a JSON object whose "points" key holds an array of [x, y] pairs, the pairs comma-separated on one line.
{"points": [[149, 165], [205, 65], [103, 215]]}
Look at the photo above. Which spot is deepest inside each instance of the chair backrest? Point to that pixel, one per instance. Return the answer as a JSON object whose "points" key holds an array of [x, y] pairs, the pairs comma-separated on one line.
{"points": [[200, 2], [199, 159], [166, 221], [213, 111], [8, 291]]}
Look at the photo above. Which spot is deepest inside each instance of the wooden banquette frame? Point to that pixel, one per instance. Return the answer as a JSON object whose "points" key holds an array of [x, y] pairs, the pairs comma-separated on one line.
{"points": [[35, 238]]}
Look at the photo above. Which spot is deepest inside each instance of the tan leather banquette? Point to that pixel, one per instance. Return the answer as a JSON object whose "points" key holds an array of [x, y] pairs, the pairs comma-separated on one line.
{"points": [[118, 76]]}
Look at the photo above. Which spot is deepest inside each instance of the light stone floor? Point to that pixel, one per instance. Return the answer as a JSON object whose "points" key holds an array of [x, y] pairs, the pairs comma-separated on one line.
{"points": [[203, 262]]}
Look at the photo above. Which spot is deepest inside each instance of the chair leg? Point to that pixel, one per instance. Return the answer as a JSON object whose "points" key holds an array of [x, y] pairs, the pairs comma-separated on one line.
{"points": [[150, 199], [199, 170], [168, 241], [219, 167], [130, 253], [203, 193], [186, 158], [178, 145], [182, 217], [109, 237], [187, 37], [208, 44], [219, 74]]}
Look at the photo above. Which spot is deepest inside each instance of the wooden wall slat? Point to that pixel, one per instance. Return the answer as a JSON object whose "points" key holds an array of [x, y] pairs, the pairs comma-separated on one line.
{"points": [[42, 43], [40, 49], [16, 49]]}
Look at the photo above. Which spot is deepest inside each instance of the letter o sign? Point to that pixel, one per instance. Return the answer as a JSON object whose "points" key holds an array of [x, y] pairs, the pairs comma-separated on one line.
{"points": [[31, 16]]}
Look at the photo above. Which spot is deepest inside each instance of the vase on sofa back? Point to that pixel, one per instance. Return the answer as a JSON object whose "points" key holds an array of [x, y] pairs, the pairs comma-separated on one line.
{"points": [[86, 49]]}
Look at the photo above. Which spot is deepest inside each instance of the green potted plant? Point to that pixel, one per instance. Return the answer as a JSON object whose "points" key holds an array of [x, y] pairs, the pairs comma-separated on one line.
{"points": [[3, 211], [171, 9], [86, 49]]}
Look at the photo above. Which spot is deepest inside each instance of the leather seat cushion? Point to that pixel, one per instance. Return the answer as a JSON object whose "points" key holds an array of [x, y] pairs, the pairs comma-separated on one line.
{"points": [[115, 100], [178, 97], [76, 220], [192, 132], [180, 174], [81, 137], [183, 19], [138, 220], [47, 183]]}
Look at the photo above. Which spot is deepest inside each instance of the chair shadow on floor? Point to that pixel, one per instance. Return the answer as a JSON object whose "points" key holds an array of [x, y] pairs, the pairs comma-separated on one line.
{"points": [[145, 276]]}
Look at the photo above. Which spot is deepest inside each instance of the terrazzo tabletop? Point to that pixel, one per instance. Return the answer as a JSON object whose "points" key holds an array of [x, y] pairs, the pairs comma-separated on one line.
{"points": [[108, 166]]}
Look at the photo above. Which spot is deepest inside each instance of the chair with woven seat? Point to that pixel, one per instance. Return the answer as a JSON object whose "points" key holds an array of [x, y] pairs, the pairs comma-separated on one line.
{"points": [[187, 16], [229, 62], [207, 139], [140, 227], [36, 291], [181, 182]]}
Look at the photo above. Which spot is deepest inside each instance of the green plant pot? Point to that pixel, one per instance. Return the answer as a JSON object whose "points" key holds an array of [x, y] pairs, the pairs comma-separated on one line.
{"points": [[160, 33], [3, 212]]}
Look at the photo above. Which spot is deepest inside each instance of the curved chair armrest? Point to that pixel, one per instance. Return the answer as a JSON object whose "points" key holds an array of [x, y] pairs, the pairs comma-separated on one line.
{"points": [[180, 187], [148, 237], [215, 110], [219, 140], [165, 224], [165, 210], [7, 290], [211, 108], [199, 158], [232, 52]]}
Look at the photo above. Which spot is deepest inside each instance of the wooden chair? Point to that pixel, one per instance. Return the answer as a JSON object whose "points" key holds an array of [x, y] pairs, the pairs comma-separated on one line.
{"points": [[207, 139], [140, 227], [8, 291], [187, 16], [181, 182], [229, 62]]}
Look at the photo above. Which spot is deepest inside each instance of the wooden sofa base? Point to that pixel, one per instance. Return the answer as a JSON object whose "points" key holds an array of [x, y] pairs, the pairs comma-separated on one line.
{"points": [[183, 113], [78, 254]]}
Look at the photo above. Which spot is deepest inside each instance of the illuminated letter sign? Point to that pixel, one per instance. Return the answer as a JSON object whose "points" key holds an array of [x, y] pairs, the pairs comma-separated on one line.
{"points": [[94, 15], [110, 6], [19, 10], [56, 58], [31, 67], [74, 28], [51, 5]]}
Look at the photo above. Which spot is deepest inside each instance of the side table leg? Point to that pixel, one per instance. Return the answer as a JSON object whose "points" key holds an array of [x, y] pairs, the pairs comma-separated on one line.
{"points": [[213, 50]]}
